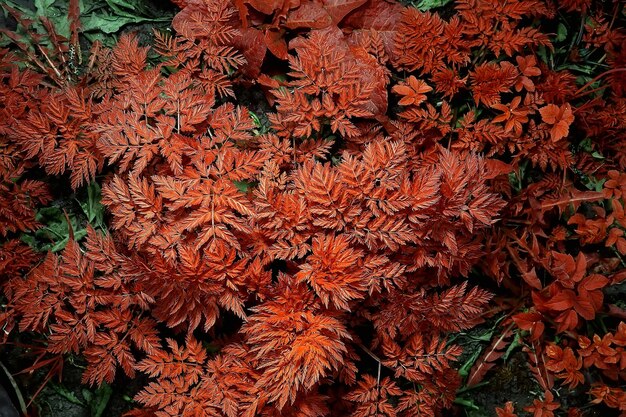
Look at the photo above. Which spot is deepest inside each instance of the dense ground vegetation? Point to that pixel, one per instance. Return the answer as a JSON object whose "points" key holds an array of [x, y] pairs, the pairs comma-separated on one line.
{"points": [[305, 208]]}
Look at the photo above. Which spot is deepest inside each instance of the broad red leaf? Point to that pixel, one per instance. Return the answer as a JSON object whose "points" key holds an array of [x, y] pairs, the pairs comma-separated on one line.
{"points": [[378, 16], [310, 15], [338, 9], [267, 6], [560, 117], [531, 322], [251, 43], [564, 300], [594, 282], [275, 42], [412, 92], [495, 168]]}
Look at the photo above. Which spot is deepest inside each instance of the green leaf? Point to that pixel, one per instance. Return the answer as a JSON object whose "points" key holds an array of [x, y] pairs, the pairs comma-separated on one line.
{"points": [[255, 118], [100, 400], [585, 145], [585, 69], [130, 8], [93, 209], [592, 183], [51, 214], [465, 369], [28, 13], [243, 186], [122, 4], [55, 233], [484, 337], [512, 346], [54, 10], [466, 402], [67, 394], [425, 5], [108, 23], [43, 7], [59, 246], [29, 240], [87, 395], [561, 32]]}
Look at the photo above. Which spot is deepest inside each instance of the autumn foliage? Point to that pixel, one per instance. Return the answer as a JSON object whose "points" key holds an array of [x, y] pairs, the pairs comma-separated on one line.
{"points": [[415, 174]]}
